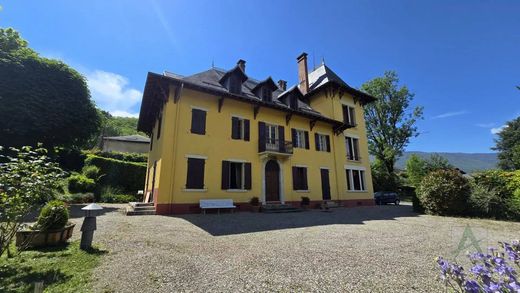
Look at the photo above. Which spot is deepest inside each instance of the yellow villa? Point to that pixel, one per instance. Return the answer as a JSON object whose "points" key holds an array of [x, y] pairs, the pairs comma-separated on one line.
{"points": [[221, 134]]}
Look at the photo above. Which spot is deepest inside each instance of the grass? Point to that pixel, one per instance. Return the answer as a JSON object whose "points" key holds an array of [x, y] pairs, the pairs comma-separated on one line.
{"points": [[62, 269]]}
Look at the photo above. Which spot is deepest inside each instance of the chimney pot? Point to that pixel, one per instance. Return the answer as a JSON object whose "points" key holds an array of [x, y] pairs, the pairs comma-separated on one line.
{"points": [[282, 84], [242, 64], [303, 73]]}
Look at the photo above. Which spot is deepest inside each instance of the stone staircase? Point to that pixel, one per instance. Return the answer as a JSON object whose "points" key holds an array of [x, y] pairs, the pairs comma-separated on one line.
{"points": [[328, 204], [279, 208], [140, 209]]}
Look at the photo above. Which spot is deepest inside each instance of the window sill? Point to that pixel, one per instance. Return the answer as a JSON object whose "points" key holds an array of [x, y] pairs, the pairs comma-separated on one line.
{"points": [[358, 191], [195, 190], [302, 191], [237, 190], [355, 161]]}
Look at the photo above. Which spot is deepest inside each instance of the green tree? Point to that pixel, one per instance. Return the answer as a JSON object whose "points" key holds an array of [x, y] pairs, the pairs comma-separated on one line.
{"points": [[507, 144], [415, 169], [437, 162], [389, 121], [27, 181], [41, 100]]}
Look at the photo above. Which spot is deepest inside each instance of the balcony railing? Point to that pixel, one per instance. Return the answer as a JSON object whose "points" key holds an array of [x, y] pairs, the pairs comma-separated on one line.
{"points": [[275, 145]]}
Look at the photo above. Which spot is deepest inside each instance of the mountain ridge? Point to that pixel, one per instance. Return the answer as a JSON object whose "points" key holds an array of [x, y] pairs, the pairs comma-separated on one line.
{"points": [[468, 162]]}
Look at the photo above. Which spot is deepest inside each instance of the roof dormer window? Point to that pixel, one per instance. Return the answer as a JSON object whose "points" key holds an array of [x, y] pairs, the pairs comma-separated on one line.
{"points": [[234, 85], [267, 95]]}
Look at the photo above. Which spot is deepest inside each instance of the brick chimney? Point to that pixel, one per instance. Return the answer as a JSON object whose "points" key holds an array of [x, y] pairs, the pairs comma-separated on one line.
{"points": [[303, 74], [282, 84], [242, 64]]}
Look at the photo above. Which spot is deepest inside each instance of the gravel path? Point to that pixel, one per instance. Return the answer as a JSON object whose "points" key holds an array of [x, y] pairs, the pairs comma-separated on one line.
{"points": [[366, 249]]}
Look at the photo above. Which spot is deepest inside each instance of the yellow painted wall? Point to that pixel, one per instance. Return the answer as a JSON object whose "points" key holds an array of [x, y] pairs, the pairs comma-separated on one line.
{"points": [[177, 142]]}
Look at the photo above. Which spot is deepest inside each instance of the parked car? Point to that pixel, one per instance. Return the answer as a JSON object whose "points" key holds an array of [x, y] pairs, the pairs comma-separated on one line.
{"points": [[384, 197]]}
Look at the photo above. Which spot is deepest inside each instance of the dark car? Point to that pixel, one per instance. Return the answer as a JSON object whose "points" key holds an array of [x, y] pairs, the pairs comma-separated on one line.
{"points": [[384, 197]]}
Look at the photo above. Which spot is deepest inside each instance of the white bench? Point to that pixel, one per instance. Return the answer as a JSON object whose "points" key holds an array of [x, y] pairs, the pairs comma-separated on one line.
{"points": [[216, 204]]}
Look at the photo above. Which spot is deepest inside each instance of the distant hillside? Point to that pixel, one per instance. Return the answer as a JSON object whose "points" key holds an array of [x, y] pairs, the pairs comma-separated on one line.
{"points": [[465, 161]]}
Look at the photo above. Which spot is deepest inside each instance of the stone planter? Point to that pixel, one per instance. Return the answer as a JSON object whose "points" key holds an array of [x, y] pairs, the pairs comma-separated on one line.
{"points": [[37, 238]]}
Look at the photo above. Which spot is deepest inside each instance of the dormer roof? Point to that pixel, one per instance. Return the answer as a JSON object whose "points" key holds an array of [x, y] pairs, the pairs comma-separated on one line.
{"points": [[268, 82], [235, 70]]}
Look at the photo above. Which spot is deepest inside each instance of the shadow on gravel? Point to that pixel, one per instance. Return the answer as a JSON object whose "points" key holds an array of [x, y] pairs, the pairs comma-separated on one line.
{"points": [[246, 222]]}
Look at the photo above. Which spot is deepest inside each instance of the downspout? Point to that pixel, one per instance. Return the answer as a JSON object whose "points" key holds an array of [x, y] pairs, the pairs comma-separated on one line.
{"points": [[335, 158], [175, 135]]}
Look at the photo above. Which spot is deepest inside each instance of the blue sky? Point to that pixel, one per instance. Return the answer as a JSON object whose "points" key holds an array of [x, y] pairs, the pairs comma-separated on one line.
{"points": [[460, 58]]}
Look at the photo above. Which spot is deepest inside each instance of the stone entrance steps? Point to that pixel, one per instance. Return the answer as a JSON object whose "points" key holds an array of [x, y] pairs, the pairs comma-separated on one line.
{"points": [[279, 208], [140, 209]]}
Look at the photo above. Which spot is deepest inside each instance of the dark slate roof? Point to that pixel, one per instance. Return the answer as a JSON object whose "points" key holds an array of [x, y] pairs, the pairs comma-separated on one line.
{"points": [[156, 85], [129, 138], [323, 76]]}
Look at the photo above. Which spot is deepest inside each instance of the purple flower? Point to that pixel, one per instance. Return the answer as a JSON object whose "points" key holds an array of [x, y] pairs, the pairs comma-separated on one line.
{"points": [[472, 286]]}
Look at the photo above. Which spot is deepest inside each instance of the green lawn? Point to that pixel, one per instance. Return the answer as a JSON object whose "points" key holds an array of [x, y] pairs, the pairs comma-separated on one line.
{"points": [[62, 269]]}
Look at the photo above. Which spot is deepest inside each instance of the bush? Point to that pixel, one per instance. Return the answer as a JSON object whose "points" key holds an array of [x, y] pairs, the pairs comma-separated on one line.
{"points": [[496, 194], [53, 216], [114, 195], [305, 201], [79, 183], [254, 201], [128, 176], [78, 198], [444, 192], [91, 172], [128, 157]]}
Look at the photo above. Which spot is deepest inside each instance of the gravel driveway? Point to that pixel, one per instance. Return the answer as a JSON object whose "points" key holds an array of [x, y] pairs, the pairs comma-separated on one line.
{"points": [[365, 249]]}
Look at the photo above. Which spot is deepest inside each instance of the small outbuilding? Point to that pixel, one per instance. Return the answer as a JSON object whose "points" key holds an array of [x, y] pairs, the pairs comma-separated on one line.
{"points": [[126, 144]]}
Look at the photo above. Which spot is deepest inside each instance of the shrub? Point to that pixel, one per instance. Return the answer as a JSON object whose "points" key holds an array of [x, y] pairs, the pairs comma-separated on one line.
{"points": [[128, 157], [496, 194], [78, 198], [254, 201], [111, 194], [128, 176], [79, 183], [444, 192], [54, 215], [91, 172], [306, 201]]}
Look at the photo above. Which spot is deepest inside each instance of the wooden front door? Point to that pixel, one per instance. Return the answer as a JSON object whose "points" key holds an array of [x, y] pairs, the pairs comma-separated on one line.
{"points": [[325, 185], [272, 181]]}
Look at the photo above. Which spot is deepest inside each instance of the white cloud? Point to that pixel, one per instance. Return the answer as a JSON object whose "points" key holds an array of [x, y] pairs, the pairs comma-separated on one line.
{"points": [[450, 114], [497, 130], [485, 125], [124, 114], [111, 92]]}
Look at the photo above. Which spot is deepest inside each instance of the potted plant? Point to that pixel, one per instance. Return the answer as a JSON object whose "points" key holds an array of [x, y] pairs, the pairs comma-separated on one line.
{"points": [[52, 228], [255, 204], [306, 202]]}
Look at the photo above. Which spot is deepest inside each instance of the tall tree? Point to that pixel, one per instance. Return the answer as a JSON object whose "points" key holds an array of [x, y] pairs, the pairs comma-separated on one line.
{"points": [[41, 100], [415, 169], [508, 145], [389, 121]]}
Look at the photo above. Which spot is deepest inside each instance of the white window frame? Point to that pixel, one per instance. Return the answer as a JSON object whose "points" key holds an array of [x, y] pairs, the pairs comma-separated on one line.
{"points": [[322, 142], [355, 153], [242, 175], [300, 138], [351, 119], [362, 178], [268, 131]]}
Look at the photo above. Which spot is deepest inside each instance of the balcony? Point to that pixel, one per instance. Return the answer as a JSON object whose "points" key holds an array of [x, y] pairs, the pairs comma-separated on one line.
{"points": [[277, 147]]}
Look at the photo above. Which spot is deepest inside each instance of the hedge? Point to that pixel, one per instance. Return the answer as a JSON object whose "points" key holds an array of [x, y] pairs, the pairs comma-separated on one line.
{"points": [[128, 157], [129, 176]]}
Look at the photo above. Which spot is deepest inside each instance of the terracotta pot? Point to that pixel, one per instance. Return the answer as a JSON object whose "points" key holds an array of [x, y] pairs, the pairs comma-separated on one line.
{"points": [[37, 238]]}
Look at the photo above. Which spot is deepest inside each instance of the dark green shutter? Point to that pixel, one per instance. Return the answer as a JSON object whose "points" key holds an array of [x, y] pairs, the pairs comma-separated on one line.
{"points": [[293, 137], [225, 175], [246, 129], [247, 176], [261, 136], [327, 139], [235, 128], [317, 141], [306, 139], [281, 138], [198, 121], [295, 178], [195, 174], [304, 179]]}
